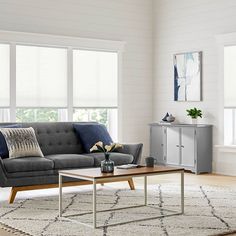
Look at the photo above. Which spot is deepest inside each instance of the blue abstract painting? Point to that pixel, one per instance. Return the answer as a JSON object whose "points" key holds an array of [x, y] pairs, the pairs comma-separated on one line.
{"points": [[187, 76]]}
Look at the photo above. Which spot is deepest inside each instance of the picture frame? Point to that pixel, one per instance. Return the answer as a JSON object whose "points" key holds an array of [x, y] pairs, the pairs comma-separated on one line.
{"points": [[188, 76]]}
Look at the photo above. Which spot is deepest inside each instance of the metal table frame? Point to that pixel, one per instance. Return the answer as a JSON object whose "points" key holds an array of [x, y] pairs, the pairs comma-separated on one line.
{"points": [[102, 180]]}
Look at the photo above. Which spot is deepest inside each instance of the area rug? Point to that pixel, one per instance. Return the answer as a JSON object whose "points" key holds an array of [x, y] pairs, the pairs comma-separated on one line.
{"points": [[209, 210]]}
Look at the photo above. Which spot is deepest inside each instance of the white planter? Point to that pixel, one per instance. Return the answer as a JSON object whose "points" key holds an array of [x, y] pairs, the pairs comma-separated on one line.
{"points": [[194, 121]]}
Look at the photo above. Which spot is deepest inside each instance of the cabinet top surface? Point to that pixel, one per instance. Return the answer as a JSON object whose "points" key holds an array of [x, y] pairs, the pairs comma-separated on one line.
{"points": [[179, 125]]}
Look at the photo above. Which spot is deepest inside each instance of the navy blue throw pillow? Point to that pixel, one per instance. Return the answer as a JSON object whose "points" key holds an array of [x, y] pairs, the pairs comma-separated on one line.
{"points": [[90, 134], [3, 145]]}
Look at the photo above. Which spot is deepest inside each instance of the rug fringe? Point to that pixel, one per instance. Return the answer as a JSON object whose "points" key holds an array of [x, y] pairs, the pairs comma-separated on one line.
{"points": [[14, 231], [225, 233]]}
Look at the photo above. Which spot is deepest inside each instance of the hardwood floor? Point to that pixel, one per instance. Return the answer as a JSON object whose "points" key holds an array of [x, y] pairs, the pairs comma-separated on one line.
{"points": [[207, 179], [203, 179]]}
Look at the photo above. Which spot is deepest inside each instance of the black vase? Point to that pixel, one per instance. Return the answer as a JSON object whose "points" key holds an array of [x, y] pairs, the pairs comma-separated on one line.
{"points": [[107, 165]]}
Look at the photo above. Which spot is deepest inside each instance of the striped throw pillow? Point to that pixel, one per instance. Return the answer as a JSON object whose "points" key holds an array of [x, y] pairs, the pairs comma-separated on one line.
{"points": [[21, 142]]}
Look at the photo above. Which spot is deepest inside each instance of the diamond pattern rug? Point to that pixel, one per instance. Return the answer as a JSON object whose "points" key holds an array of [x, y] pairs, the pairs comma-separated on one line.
{"points": [[209, 210]]}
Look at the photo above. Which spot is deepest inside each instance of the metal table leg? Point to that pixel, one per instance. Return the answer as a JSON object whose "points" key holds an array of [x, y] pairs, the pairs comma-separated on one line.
{"points": [[60, 195], [182, 192], [145, 190], [94, 205]]}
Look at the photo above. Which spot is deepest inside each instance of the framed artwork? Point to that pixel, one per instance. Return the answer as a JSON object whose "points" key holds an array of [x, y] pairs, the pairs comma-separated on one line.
{"points": [[188, 76]]}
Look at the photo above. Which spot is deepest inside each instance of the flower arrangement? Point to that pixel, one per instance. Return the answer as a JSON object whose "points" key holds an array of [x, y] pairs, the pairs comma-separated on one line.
{"points": [[106, 149], [107, 165]]}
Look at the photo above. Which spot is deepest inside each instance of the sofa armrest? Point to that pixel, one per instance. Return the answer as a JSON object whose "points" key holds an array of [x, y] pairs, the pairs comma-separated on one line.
{"points": [[3, 178], [133, 149]]}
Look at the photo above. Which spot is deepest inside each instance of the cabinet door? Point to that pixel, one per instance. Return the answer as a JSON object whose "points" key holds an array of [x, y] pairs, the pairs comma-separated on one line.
{"points": [[157, 143], [187, 146], [173, 146]]}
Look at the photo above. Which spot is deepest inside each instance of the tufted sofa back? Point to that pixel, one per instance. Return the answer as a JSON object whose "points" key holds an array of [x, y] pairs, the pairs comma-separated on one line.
{"points": [[56, 137]]}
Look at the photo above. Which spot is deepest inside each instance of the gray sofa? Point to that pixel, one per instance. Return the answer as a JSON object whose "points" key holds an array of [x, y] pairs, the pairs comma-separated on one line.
{"points": [[63, 150]]}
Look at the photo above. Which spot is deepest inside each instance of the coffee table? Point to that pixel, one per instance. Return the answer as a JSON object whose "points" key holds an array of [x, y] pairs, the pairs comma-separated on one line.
{"points": [[95, 176]]}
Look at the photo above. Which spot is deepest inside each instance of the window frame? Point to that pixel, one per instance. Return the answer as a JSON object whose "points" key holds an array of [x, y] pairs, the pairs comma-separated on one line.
{"points": [[222, 41], [232, 135], [232, 109], [70, 43], [8, 107]]}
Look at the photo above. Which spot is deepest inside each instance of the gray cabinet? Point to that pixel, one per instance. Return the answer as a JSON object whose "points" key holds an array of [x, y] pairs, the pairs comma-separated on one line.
{"points": [[172, 146], [188, 146], [158, 142]]}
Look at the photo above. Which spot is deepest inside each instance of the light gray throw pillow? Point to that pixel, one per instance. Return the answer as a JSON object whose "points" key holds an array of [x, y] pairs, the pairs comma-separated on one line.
{"points": [[21, 142]]}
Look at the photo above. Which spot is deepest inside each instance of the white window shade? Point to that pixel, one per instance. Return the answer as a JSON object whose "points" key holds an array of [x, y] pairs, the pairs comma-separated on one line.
{"points": [[230, 76], [94, 79], [4, 75], [41, 76]]}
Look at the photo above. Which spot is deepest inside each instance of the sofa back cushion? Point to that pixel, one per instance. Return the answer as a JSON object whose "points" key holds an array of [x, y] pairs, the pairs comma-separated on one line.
{"points": [[56, 137], [90, 134]]}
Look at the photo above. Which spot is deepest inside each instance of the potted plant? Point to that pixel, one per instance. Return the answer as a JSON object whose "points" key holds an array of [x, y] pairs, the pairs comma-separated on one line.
{"points": [[194, 113]]}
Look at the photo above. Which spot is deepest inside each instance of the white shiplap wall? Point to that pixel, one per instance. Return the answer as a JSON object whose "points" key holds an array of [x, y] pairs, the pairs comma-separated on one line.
{"points": [[187, 25], [125, 20]]}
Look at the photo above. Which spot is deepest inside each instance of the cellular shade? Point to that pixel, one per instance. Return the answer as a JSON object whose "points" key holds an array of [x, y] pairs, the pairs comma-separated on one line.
{"points": [[41, 76], [230, 76], [4, 75], [94, 78]]}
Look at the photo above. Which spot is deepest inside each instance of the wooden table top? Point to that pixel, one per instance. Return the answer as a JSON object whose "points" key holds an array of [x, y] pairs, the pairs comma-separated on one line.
{"points": [[95, 173]]}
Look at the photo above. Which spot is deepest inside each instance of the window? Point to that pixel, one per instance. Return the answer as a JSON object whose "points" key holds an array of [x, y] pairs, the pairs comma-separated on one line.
{"points": [[40, 114], [4, 115], [95, 88], [108, 117], [229, 95], [94, 79], [41, 77], [43, 83], [5, 82]]}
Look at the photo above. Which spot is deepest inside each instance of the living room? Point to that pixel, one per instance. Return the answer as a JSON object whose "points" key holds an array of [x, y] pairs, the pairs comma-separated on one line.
{"points": [[113, 62]]}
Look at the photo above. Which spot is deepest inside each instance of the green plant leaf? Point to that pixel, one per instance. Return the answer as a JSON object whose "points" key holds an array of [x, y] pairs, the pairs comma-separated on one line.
{"points": [[194, 113]]}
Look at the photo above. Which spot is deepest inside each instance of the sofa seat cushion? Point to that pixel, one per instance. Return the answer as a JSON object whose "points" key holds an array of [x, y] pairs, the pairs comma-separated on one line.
{"points": [[118, 158], [23, 164], [30, 174], [65, 161]]}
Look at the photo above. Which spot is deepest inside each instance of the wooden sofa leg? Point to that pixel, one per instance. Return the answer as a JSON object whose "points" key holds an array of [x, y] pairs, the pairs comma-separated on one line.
{"points": [[131, 184], [12, 195]]}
